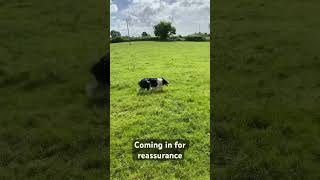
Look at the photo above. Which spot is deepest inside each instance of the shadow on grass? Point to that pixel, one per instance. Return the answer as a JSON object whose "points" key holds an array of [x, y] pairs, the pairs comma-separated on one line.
{"points": [[144, 92]]}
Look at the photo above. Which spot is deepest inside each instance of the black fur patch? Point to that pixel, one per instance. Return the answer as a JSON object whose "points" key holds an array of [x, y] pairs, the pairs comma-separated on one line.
{"points": [[101, 70]]}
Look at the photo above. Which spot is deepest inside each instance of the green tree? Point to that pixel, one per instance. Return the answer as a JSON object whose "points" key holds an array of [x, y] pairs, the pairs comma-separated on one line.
{"points": [[144, 34], [115, 34], [163, 30]]}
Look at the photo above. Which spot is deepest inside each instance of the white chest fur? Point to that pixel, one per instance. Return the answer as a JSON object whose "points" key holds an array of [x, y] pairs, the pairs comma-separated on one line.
{"points": [[159, 82]]}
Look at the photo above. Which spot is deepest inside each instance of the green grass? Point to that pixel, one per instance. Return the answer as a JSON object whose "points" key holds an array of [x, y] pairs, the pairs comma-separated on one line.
{"points": [[180, 111], [266, 89], [48, 129]]}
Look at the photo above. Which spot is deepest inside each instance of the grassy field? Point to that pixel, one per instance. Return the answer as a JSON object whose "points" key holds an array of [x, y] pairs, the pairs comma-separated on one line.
{"points": [[48, 128], [180, 111], [266, 89]]}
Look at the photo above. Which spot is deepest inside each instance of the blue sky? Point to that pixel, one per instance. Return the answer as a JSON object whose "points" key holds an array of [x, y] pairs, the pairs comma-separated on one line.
{"points": [[121, 4], [142, 15]]}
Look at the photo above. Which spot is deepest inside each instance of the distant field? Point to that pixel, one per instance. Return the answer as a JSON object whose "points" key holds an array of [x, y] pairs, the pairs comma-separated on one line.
{"points": [[180, 111], [266, 89]]}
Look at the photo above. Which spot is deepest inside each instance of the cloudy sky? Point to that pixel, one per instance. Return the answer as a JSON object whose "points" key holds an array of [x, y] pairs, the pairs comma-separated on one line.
{"points": [[142, 15]]}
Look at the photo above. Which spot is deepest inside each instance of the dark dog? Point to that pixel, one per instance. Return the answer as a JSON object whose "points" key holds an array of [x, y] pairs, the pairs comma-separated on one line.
{"points": [[151, 83], [101, 70], [101, 73]]}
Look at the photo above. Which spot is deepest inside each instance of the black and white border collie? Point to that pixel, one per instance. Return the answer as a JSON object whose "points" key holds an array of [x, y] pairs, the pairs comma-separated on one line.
{"points": [[153, 83], [101, 73]]}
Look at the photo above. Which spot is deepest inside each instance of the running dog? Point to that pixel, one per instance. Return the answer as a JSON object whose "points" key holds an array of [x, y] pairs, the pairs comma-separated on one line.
{"points": [[153, 83]]}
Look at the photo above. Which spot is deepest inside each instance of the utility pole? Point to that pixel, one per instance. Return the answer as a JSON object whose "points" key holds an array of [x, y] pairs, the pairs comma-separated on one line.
{"points": [[128, 27], [128, 31]]}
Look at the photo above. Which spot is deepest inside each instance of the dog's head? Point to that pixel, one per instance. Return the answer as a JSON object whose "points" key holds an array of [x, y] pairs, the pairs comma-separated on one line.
{"points": [[164, 82]]}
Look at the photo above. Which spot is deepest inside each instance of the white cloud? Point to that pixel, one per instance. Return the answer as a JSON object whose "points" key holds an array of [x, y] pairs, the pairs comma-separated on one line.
{"points": [[186, 16], [113, 7]]}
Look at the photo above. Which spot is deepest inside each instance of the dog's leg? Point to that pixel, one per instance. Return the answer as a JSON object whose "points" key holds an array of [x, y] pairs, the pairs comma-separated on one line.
{"points": [[149, 86], [91, 89]]}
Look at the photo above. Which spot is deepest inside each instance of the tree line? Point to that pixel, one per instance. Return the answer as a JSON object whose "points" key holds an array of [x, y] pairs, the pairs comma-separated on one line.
{"points": [[163, 31]]}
